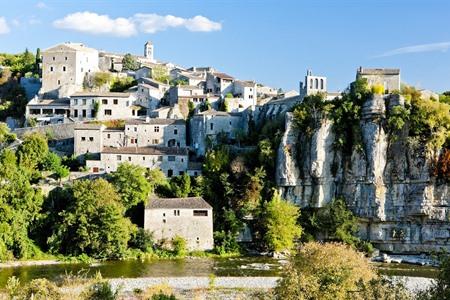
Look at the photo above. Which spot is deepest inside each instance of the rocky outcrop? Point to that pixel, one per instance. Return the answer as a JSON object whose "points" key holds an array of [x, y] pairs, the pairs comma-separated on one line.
{"points": [[386, 182]]}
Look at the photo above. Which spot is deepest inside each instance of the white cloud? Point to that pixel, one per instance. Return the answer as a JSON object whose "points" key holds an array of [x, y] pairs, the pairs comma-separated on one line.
{"points": [[442, 47], [4, 28], [93, 23], [41, 5], [151, 23]]}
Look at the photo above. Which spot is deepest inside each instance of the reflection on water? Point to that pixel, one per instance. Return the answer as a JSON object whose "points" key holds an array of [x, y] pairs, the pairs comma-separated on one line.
{"points": [[247, 266]]}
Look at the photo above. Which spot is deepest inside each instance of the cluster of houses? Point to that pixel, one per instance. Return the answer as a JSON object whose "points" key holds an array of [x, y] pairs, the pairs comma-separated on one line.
{"points": [[166, 125]]}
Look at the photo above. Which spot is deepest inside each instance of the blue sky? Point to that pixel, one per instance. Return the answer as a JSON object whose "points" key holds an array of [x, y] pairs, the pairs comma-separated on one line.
{"points": [[273, 42]]}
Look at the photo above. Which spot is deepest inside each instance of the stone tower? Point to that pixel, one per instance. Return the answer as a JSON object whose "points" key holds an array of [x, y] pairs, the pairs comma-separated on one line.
{"points": [[148, 51], [313, 84]]}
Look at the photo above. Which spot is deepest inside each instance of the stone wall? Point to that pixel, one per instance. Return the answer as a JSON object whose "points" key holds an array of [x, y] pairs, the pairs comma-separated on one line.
{"points": [[387, 183]]}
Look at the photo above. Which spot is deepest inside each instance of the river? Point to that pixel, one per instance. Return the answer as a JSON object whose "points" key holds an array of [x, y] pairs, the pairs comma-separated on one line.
{"points": [[243, 266]]}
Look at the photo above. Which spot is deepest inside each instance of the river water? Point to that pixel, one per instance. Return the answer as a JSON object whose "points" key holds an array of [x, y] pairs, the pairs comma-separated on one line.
{"points": [[244, 266]]}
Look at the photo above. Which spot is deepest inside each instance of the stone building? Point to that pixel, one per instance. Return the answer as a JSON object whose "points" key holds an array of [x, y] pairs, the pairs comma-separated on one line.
{"points": [[171, 161], [207, 126], [388, 78], [313, 85], [189, 218], [104, 106], [64, 68], [219, 83], [155, 132], [93, 138]]}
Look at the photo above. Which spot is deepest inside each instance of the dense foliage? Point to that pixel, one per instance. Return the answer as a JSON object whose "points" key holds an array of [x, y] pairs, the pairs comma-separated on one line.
{"points": [[129, 62], [92, 222], [334, 271]]}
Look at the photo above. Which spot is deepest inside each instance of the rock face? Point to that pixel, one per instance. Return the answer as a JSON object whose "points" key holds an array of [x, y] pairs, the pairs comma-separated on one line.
{"points": [[386, 182]]}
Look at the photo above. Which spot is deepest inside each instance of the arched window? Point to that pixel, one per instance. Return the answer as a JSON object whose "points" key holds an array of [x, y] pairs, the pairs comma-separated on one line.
{"points": [[321, 84], [317, 84], [310, 84]]}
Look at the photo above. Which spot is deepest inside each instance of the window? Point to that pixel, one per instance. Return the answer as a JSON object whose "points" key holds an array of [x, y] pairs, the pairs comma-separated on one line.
{"points": [[109, 135], [129, 158], [175, 131], [135, 128], [115, 101], [155, 141], [91, 139], [119, 157], [160, 158], [65, 58], [75, 113], [75, 101], [164, 214], [108, 112], [321, 84], [156, 128], [64, 68], [211, 125], [169, 173], [171, 158], [176, 212], [59, 82], [143, 157], [104, 101], [83, 138], [51, 69], [181, 173], [53, 58], [200, 213], [84, 101], [317, 83], [164, 221], [84, 113]]}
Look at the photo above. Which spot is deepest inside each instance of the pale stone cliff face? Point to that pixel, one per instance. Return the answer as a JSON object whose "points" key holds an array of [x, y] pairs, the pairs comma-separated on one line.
{"points": [[387, 183]]}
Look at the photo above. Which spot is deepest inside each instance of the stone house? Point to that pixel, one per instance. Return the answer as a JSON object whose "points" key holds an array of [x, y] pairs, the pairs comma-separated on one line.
{"points": [[47, 108], [155, 132], [149, 96], [388, 78], [172, 161], [64, 68], [205, 127], [189, 218], [219, 83], [110, 106], [93, 138]]}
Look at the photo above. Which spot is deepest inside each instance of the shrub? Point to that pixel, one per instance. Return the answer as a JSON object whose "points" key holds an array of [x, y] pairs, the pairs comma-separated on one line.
{"points": [[158, 290], [378, 89], [179, 246], [324, 271], [440, 289], [101, 290], [39, 289], [162, 296], [142, 239], [225, 243]]}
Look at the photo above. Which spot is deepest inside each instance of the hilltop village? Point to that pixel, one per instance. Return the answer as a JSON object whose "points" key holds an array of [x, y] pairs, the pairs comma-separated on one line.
{"points": [[106, 110]]}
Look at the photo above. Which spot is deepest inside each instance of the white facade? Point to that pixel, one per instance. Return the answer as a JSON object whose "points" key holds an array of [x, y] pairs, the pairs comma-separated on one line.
{"points": [[64, 68], [219, 83], [189, 218], [110, 106], [155, 132], [149, 51]]}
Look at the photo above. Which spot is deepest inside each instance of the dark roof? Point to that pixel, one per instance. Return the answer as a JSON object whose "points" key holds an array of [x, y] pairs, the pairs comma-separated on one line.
{"points": [[190, 202], [101, 94], [51, 102], [246, 83], [223, 75], [155, 121], [366, 71], [88, 126], [150, 150], [212, 112]]}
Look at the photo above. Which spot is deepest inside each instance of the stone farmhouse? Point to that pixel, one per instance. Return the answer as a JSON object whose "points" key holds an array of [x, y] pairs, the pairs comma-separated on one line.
{"points": [[189, 218]]}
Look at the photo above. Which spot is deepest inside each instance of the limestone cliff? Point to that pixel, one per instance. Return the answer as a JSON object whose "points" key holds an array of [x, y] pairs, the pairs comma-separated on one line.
{"points": [[386, 182]]}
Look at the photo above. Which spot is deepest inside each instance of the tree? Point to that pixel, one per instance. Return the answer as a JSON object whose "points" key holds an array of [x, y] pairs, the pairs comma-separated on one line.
{"points": [[440, 289], [92, 222], [161, 74], [130, 182], [37, 61], [129, 62], [180, 186], [328, 271], [20, 204], [6, 137], [281, 219], [33, 151], [156, 179]]}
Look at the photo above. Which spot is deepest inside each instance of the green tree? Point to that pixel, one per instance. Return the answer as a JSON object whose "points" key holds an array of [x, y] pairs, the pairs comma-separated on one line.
{"points": [[131, 184], [440, 289], [281, 219], [156, 179], [38, 60], [161, 74], [180, 186], [129, 62], [6, 137], [334, 272], [20, 204], [33, 151], [92, 222]]}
